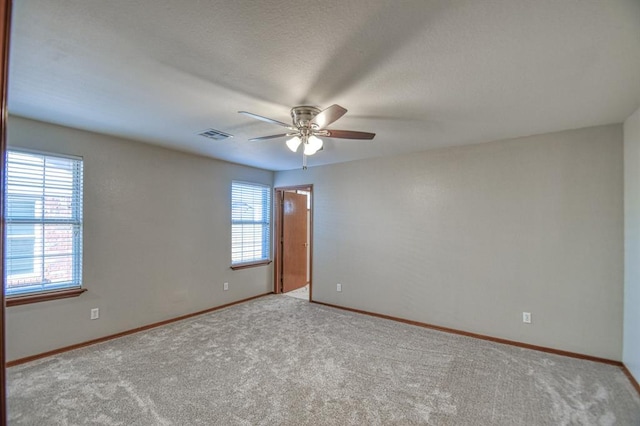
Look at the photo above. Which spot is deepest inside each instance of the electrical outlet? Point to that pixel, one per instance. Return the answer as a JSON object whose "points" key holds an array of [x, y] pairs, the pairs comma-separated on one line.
{"points": [[95, 313], [225, 287], [339, 287], [526, 317]]}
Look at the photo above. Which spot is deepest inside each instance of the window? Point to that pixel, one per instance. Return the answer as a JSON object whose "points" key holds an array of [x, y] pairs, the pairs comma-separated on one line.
{"points": [[250, 223], [43, 210]]}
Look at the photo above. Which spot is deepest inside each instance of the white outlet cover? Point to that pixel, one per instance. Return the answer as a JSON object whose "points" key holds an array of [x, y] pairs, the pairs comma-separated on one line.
{"points": [[526, 317], [339, 287], [225, 286], [95, 313]]}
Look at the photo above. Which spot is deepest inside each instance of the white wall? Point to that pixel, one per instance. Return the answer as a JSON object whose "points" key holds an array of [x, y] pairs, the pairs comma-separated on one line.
{"points": [[631, 351], [471, 237], [157, 239]]}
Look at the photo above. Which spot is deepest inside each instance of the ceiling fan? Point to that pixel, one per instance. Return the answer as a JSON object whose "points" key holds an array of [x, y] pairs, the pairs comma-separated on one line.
{"points": [[309, 124]]}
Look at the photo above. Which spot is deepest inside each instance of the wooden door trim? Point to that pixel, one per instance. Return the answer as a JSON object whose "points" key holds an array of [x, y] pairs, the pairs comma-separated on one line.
{"points": [[5, 30], [277, 232]]}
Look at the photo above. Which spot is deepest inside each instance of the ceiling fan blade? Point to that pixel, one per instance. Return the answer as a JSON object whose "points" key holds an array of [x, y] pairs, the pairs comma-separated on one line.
{"points": [[268, 120], [349, 134], [328, 116], [264, 138]]}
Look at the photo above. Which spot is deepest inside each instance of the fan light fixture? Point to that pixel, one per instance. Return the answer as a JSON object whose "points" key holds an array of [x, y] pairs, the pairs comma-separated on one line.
{"points": [[312, 144], [294, 143]]}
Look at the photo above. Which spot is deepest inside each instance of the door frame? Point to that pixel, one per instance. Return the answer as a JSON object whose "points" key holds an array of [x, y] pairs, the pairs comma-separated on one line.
{"points": [[5, 29], [277, 231]]}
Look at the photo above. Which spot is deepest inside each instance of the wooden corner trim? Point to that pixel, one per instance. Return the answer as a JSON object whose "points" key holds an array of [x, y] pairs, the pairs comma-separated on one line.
{"points": [[632, 379], [5, 35], [250, 265], [479, 336], [125, 333], [44, 296]]}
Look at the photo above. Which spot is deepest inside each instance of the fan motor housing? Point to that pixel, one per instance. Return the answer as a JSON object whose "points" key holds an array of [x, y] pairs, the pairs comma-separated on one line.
{"points": [[302, 115]]}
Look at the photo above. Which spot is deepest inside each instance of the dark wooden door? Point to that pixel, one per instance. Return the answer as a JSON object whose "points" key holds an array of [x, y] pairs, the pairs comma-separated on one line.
{"points": [[294, 241]]}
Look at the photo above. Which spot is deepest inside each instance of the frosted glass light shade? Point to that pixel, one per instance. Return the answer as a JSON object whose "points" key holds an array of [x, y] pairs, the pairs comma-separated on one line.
{"points": [[294, 143], [313, 145]]}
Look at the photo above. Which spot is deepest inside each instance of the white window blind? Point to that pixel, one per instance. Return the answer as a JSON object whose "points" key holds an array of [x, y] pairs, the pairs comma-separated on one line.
{"points": [[43, 211], [250, 222]]}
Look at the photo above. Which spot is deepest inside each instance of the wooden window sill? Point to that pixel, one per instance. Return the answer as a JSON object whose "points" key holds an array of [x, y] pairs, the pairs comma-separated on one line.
{"points": [[250, 265], [44, 296]]}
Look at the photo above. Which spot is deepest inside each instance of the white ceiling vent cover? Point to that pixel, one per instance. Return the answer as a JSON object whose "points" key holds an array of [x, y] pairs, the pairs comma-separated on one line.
{"points": [[215, 134]]}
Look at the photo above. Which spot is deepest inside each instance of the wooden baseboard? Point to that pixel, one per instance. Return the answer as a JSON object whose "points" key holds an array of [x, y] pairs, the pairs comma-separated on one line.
{"points": [[125, 333], [479, 336], [632, 379]]}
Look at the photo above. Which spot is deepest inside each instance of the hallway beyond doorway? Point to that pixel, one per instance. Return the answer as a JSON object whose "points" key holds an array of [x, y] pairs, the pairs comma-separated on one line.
{"points": [[300, 293]]}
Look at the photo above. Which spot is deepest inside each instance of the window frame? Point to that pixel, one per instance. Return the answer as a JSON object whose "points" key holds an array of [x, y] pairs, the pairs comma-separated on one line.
{"points": [[266, 223], [74, 287]]}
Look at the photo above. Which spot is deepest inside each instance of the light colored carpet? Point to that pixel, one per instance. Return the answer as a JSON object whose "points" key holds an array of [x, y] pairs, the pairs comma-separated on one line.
{"points": [[282, 361], [300, 293]]}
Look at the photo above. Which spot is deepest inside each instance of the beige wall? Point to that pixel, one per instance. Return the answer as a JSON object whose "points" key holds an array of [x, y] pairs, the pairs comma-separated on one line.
{"points": [[471, 237], [631, 352], [466, 238], [156, 239]]}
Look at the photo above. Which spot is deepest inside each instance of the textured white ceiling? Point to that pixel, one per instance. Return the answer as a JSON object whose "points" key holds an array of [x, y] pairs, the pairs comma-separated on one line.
{"points": [[421, 74]]}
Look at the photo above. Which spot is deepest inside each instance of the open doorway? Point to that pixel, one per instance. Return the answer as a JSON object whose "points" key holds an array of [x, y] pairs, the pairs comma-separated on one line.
{"points": [[293, 236]]}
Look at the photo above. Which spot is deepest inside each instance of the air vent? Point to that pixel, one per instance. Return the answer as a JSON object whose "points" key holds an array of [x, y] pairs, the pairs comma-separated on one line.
{"points": [[215, 134]]}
